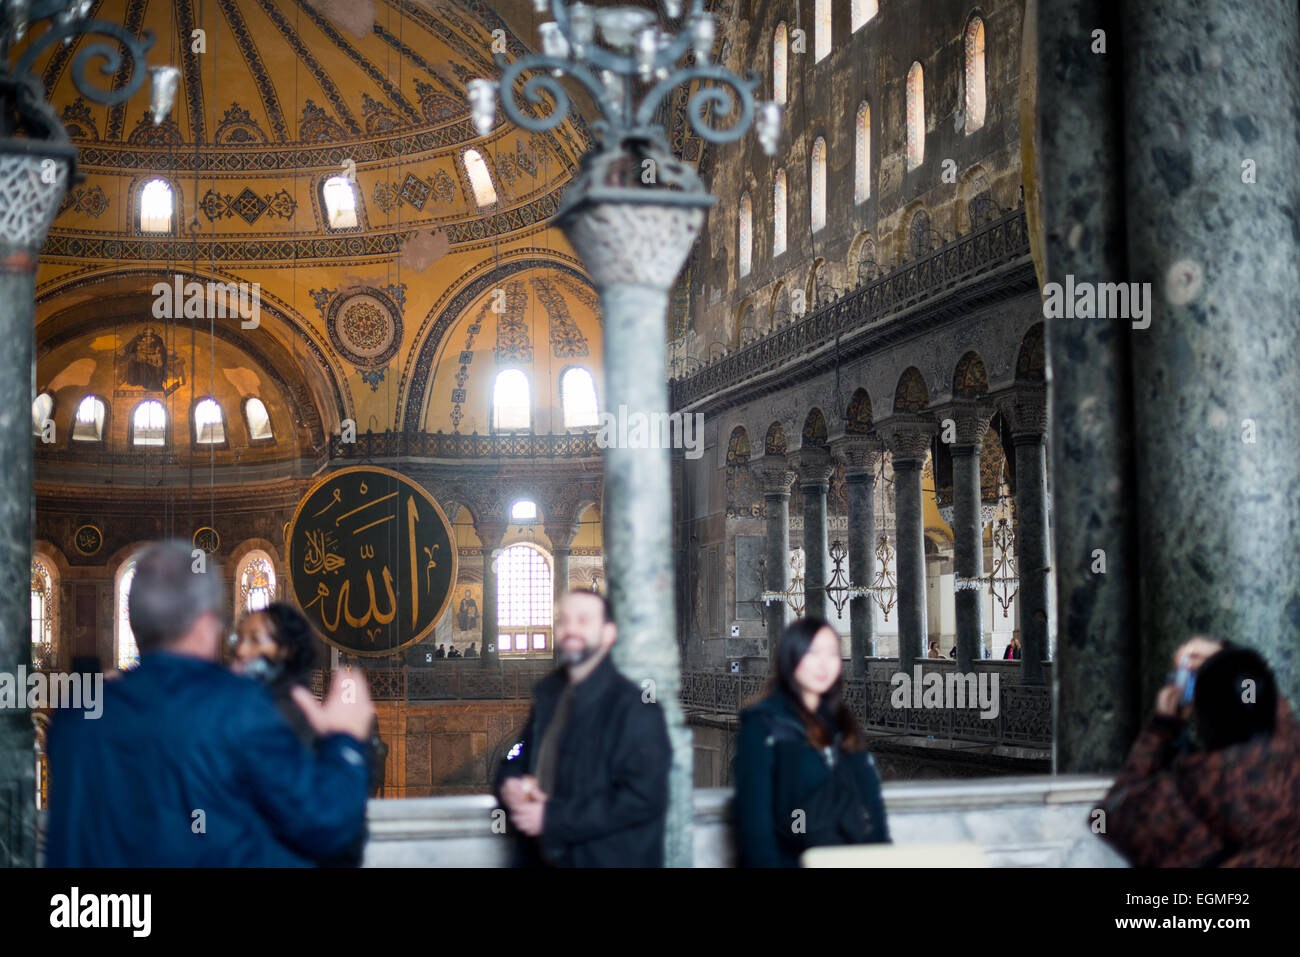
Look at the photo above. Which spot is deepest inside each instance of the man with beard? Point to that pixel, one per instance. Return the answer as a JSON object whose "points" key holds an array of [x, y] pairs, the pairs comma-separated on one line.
{"points": [[587, 786]]}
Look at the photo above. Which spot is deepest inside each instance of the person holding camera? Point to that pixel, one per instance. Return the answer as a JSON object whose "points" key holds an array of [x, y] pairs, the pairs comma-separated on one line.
{"points": [[1213, 779]]}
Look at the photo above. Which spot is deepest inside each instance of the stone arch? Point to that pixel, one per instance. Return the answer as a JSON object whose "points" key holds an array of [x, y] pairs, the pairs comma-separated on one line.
{"points": [[911, 394], [780, 312], [746, 328], [744, 498], [774, 442], [970, 380], [814, 430], [1031, 361], [977, 205], [864, 262], [857, 416]]}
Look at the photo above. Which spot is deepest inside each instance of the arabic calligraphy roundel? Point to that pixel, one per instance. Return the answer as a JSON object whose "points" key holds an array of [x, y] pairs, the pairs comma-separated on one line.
{"points": [[372, 560]]}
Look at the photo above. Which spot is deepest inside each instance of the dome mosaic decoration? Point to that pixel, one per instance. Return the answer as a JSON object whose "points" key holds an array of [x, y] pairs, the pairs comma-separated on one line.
{"points": [[365, 327]]}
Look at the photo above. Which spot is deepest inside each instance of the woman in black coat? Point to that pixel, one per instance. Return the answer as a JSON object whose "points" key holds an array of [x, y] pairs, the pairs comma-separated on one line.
{"points": [[277, 647], [803, 775]]}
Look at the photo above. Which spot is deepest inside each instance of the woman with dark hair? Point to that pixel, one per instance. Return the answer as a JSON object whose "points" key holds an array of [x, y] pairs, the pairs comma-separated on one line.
{"points": [[277, 647], [803, 775]]}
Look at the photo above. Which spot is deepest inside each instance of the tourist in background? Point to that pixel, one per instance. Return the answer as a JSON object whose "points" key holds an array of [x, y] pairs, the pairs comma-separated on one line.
{"points": [[1213, 779], [190, 765], [1013, 648], [803, 775]]}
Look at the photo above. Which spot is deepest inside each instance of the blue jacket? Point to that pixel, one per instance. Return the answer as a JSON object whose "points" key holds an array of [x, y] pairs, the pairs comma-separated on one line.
{"points": [[190, 765], [790, 796]]}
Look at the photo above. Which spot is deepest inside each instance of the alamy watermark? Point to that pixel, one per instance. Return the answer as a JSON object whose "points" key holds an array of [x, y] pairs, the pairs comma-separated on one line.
{"points": [[937, 689], [83, 691], [652, 430], [211, 300], [1105, 300]]}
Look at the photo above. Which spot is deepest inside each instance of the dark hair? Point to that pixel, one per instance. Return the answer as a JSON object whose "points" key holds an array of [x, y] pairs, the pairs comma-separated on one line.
{"points": [[795, 642], [293, 633], [1223, 715], [606, 610], [167, 596]]}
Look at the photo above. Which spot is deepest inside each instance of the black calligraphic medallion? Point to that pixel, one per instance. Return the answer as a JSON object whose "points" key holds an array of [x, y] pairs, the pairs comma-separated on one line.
{"points": [[372, 560], [88, 539]]}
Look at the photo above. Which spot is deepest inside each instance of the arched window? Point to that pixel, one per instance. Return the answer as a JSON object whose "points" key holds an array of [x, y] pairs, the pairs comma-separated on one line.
{"points": [[525, 600], [209, 424], [578, 396], [480, 180], [976, 94], [128, 652], [340, 203], [860, 11], [156, 207], [256, 582], [862, 156], [42, 615], [745, 241], [259, 421], [512, 403], [778, 214], [42, 406], [149, 424], [88, 425], [780, 47], [915, 116], [523, 510], [821, 30], [818, 184]]}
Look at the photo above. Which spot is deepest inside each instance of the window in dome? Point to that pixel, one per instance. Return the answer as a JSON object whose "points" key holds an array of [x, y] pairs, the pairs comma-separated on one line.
{"points": [[818, 184], [340, 203], [976, 99], [578, 395], [862, 156], [88, 426], [746, 237], [780, 47], [149, 423], [156, 207], [821, 30], [860, 11], [259, 420], [480, 179], [209, 424], [915, 116], [512, 403]]}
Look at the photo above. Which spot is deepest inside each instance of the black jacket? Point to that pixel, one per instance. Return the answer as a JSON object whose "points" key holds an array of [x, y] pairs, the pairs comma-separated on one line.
{"points": [[611, 783], [790, 796]]}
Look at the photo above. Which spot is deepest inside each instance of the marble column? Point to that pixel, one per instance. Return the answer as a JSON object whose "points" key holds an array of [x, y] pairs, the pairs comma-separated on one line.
{"points": [[861, 456], [1212, 164], [776, 477], [971, 420], [814, 482], [634, 242], [908, 438], [1026, 412], [1080, 173], [31, 201], [561, 537], [490, 535]]}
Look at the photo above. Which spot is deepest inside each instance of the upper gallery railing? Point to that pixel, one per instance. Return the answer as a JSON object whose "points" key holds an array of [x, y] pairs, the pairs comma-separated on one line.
{"points": [[451, 445], [996, 243], [1023, 720]]}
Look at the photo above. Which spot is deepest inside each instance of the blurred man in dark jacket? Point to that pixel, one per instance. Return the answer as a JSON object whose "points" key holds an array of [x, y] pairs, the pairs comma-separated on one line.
{"points": [[588, 784], [1231, 798], [191, 765]]}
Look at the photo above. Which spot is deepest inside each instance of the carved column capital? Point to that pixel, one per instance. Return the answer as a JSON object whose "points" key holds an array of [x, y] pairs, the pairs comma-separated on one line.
{"points": [[860, 454], [907, 436], [561, 534], [970, 417], [814, 465], [1025, 409], [775, 473]]}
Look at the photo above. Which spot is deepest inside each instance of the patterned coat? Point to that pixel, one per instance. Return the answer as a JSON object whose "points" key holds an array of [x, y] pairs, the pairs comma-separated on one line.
{"points": [[1235, 807]]}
